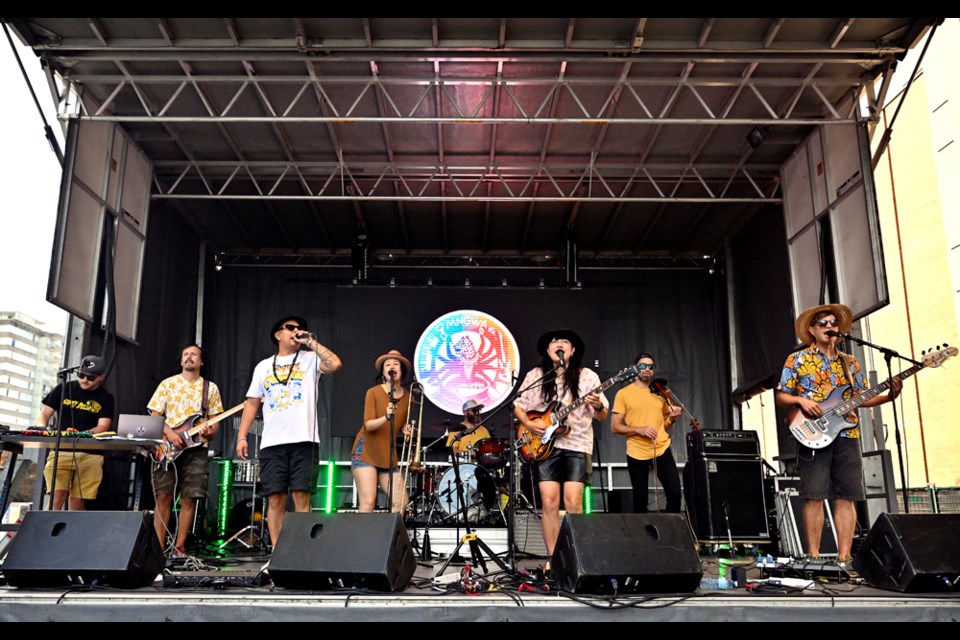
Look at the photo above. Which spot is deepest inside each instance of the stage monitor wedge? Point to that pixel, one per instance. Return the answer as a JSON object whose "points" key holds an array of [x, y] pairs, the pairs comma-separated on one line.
{"points": [[605, 553], [912, 553], [104, 548], [318, 551]]}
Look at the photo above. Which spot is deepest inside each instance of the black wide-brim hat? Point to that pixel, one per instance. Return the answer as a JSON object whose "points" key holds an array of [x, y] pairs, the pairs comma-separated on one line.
{"points": [[564, 334], [282, 321]]}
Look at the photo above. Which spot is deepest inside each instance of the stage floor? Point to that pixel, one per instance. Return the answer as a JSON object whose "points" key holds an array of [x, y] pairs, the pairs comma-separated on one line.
{"points": [[228, 595]]}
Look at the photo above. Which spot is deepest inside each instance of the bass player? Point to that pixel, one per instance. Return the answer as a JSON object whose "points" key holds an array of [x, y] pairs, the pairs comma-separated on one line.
{"points": [[566, 470], [835, 472], [178, 398]]}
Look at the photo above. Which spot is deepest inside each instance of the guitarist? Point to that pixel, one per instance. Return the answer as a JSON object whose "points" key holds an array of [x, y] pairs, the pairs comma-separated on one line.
{"points": [[177, 398], [567, 469], [808, 378]]}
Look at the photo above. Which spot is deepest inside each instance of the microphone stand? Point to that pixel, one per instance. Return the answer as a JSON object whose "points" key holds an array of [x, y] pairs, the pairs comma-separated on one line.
{"points": [[477, 546], [888, 356], [62, 381], [393, 442]]}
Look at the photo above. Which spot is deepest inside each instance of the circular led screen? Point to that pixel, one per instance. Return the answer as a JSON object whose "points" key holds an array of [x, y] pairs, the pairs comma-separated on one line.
{"points": [[466, 354]]}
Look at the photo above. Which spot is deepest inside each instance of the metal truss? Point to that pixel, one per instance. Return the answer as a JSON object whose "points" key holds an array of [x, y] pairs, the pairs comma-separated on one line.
{"points": [[398, 182], [465, 100], [484, 262]]}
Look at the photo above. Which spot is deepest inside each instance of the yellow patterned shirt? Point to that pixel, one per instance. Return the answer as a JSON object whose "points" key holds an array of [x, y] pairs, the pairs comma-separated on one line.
{"points": [[178, 398]]}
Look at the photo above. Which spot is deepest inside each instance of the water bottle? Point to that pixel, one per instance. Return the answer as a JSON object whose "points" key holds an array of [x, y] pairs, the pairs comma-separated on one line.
{"points": [[715, 583]]}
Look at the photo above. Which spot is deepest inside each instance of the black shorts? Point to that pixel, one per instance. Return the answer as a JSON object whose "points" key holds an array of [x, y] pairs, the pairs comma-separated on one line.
{"points": [[564, 466], [833, 472], [289, 467]]}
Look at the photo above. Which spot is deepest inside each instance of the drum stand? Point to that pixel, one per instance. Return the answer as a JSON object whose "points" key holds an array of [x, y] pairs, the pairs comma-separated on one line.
{"points": [[478, 548], [256, 531]]}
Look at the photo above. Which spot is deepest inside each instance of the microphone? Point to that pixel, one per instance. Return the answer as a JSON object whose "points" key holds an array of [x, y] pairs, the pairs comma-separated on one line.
{"points": [[560, 355], [391, 374], [836, 334]]}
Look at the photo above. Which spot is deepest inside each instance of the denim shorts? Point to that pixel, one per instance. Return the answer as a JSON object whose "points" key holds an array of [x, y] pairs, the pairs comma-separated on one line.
{"points": [[358, 463]]}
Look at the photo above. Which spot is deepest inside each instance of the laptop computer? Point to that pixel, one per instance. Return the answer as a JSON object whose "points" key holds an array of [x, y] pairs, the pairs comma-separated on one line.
{"points": [[131, 425]]}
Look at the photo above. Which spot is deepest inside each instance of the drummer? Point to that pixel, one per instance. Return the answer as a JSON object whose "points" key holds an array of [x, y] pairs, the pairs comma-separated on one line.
{"points": [[463, 441]]}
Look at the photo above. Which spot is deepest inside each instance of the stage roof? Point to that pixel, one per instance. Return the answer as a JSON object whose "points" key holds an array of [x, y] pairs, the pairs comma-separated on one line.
{"points": [[489, 139]]}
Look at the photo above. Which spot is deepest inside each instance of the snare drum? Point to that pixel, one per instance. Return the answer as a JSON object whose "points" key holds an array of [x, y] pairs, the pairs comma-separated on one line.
{"points": [[493, 453], [246, 471]]}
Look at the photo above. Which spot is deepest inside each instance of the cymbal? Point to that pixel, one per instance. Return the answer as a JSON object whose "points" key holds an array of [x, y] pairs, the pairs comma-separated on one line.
{"points": [[441, 426]]}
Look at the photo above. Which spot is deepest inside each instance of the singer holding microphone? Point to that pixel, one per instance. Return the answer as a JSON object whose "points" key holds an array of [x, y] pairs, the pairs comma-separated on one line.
{"points": [[560, 377], [374, 451], [835, 472], [286, 386]]}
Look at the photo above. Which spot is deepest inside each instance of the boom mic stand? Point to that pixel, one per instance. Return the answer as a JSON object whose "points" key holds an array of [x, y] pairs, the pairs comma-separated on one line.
{"points": [[888, 356], [477, 546]]}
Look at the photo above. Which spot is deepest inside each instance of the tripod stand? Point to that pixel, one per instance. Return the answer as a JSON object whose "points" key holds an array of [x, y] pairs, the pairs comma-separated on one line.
{"points": [[254, 531], [478, 548]]}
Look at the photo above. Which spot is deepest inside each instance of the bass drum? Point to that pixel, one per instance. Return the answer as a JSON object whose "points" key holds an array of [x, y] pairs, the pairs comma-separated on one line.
{"points": [[479, 492]]}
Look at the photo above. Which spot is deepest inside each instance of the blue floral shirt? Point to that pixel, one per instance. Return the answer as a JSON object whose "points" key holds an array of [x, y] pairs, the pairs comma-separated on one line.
{"points": [[809, 374]]}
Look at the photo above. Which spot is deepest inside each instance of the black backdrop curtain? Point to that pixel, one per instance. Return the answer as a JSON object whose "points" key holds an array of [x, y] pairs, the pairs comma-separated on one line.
{"points": [[678, 315]]}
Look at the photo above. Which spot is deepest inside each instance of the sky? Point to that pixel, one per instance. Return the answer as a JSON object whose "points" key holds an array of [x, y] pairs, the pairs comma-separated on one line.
{"points": [[29, 182]]}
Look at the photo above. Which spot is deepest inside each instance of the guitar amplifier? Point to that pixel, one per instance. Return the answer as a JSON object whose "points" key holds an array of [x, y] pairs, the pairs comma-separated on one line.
{"points": [[723, 443]]}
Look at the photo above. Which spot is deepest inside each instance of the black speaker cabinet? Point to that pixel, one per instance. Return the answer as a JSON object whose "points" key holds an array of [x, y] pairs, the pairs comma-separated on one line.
{"points": [[60, 548], [342, 551], [912, 553], [620, 501], [603, 553], [726, 499]]}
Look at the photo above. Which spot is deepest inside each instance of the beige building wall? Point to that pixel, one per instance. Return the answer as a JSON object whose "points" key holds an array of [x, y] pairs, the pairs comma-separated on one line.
{"points": [[918, 192]]}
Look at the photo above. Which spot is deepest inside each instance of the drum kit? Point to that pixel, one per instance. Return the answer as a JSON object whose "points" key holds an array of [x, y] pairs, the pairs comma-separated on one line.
{"points": [[483, 462]]}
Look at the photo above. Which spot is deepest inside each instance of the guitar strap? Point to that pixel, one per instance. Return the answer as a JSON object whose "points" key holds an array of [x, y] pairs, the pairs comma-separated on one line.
{"points": [[845, 366], [204, 402]]}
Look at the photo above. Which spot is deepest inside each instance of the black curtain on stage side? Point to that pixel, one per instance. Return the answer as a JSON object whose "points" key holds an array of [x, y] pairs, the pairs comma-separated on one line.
{"points": [[762, 300], [678, 315]]}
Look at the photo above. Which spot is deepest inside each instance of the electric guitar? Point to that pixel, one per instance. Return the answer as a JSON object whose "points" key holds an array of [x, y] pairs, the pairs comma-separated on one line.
{"points": [[533, 447], [168, 451], [820, 432]]}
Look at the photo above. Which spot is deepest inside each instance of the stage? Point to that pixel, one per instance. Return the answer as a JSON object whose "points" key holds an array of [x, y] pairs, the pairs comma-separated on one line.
{"points": [[417, 603], [231, 586]]}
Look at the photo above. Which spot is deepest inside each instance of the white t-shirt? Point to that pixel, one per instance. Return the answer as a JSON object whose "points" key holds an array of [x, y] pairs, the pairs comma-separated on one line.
{"points": [[289, 398]]}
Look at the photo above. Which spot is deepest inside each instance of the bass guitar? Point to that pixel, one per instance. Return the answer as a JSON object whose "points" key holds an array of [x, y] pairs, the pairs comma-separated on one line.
{"points": [[818, 433], [532, 447], [186, 432]]}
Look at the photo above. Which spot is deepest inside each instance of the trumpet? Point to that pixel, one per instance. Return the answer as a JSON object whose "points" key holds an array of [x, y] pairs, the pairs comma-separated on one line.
{"points": [[410, 453]]}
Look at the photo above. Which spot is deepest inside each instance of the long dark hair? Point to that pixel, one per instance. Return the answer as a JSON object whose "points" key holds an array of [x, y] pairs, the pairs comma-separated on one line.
{"points": [[571, 376]]}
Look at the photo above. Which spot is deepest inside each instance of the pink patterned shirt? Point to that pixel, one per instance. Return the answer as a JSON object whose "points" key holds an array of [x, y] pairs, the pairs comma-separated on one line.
{"points": [[580, 420]]}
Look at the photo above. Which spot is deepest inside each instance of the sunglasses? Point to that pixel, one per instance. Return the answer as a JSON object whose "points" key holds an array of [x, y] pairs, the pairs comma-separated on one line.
{"points": [[291, 327], [828, 323], [86, 376], [644, 365]]}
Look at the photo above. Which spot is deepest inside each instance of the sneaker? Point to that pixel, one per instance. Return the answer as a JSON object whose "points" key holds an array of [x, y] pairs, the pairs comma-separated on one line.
{"points": [[846, 564]]}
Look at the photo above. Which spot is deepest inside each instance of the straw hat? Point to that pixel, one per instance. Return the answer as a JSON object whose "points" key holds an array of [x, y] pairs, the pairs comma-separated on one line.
{"points": [[840, 311]]}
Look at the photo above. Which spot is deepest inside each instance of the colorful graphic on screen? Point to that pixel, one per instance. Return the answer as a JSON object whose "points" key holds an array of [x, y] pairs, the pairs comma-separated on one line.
{"points": [[466, 354]]}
